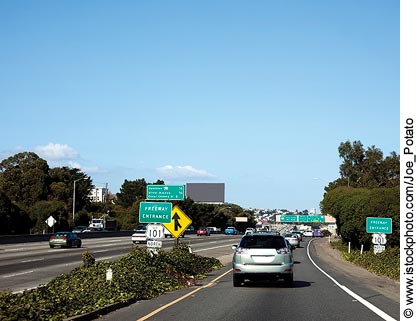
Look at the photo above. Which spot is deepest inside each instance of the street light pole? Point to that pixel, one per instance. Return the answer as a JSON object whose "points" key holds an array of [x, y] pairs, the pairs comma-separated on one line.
{"points": [[74, 198]]}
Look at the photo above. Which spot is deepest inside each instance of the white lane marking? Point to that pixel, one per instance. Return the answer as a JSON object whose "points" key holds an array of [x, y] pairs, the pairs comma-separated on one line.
{"points": [[212, 248], [105, 258], [34, 260], [16, 274], [16, 249], [100, 251], [366, 303]]}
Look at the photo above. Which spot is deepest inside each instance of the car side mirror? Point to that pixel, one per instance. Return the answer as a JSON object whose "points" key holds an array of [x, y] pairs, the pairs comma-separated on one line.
{"points": [[234, 247]]}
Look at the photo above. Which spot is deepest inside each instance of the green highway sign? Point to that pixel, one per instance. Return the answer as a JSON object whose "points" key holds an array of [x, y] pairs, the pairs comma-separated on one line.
{"points": [[379, 225], [302, 218], [155, 212], [315, 218], [165, 192], [288, 218]]}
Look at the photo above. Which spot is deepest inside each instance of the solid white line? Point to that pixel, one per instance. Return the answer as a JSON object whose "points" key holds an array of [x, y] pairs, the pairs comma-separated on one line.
{"points": [[34, 260], [366, 303], [104, 258], [16, 274], [212, 248]]}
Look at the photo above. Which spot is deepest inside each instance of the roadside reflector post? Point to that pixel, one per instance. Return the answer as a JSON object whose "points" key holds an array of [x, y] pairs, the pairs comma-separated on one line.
{"points": [[349, 247], [109, 275]]}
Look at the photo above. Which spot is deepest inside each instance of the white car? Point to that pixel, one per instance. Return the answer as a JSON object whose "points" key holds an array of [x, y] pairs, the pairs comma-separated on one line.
{"points": [[308, 233], [249, 230], [140, 235]]}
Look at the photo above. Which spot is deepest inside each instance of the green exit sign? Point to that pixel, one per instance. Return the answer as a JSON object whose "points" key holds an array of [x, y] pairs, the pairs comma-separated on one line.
{"points": [[165, 192], [379, 225]]}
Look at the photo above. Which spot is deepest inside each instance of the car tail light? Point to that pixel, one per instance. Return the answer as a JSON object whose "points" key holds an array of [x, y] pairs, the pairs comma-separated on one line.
{"points": [[284, 250], [51, 238], [241, 250]]}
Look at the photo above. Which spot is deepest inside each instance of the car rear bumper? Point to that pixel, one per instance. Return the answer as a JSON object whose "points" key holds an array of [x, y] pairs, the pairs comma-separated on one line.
{"points": [[262, 269]]}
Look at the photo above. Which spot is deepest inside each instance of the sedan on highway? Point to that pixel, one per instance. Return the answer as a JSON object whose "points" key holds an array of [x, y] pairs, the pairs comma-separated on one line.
{"points": [[231, 231], [293, 239], [64, 239], [203, 231], [262, 256], [140, 234], [308, 233]]}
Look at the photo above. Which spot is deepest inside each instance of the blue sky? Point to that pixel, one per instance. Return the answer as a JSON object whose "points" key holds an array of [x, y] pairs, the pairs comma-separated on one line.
{"points": [[254, 94]]}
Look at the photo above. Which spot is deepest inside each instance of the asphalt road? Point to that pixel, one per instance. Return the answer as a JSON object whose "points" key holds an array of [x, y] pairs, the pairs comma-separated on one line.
{"points": [[324, 287], [315, 295], [28, 265]]}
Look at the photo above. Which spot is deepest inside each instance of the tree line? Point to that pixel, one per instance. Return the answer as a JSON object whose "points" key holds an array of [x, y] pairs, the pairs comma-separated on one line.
{"points": [[368, 186], [31, 191]]}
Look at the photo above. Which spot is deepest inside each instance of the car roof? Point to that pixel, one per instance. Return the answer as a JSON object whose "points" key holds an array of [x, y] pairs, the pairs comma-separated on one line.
{"points": [[264, 234]]}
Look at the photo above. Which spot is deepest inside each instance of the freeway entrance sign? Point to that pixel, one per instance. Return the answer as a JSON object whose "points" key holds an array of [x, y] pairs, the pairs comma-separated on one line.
{"points": [[379, 225], [155, 212], [180, 221], [165, 192]]}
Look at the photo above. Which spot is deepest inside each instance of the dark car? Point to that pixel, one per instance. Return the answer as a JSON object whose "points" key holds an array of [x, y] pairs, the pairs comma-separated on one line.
{"points": [[64, 239]]}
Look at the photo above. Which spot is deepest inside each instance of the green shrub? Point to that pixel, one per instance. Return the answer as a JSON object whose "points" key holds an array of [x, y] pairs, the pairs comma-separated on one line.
{"points": [[138, 275], [386, 263]]}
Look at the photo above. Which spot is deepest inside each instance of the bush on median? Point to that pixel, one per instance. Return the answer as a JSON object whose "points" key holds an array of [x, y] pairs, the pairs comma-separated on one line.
{"points": [[138, 275]]}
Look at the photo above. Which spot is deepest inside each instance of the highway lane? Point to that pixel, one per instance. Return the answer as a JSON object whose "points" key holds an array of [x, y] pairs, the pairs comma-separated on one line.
{"points": [[314, 296], [25, 266]]}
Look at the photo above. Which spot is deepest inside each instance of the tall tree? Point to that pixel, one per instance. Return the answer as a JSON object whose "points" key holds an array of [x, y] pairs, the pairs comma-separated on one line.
{"points": [[366, 168], [24, 178], [132, 191]]}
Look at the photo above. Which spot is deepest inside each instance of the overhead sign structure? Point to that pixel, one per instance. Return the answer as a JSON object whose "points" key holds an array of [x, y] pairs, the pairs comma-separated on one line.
{"points": [[301, 218], [155, 212], [379, 225], [288, 218], [179, 222], [165, 192]]}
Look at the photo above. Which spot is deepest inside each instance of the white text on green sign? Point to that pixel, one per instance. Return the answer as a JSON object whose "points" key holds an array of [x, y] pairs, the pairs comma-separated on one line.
{"points": [[165, 192], [155, 212], [379, 225]]}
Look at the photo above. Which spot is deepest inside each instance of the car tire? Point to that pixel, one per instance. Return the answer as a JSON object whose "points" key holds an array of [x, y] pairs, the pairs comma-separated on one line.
{"points": [[237, 281], [79, 244], [51, 246], [288, 279]]}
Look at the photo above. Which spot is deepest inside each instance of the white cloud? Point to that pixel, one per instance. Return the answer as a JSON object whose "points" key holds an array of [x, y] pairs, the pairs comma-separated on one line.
{"points": [[176, 172], [90, 170], [56, 152]]}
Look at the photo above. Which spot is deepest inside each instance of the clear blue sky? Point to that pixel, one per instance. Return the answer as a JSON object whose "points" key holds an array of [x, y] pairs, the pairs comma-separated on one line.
{"points": [[255, 94]]}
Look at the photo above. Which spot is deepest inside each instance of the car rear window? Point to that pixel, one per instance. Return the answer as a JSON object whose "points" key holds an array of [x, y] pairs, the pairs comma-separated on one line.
{"points": [[263, 242]]}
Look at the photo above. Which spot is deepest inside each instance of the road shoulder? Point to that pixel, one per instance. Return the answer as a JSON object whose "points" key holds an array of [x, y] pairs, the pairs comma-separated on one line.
{"points": [[385, 286]]}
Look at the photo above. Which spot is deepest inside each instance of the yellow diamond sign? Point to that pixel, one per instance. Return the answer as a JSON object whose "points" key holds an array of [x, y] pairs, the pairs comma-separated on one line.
{"points": [[179, 222]]}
